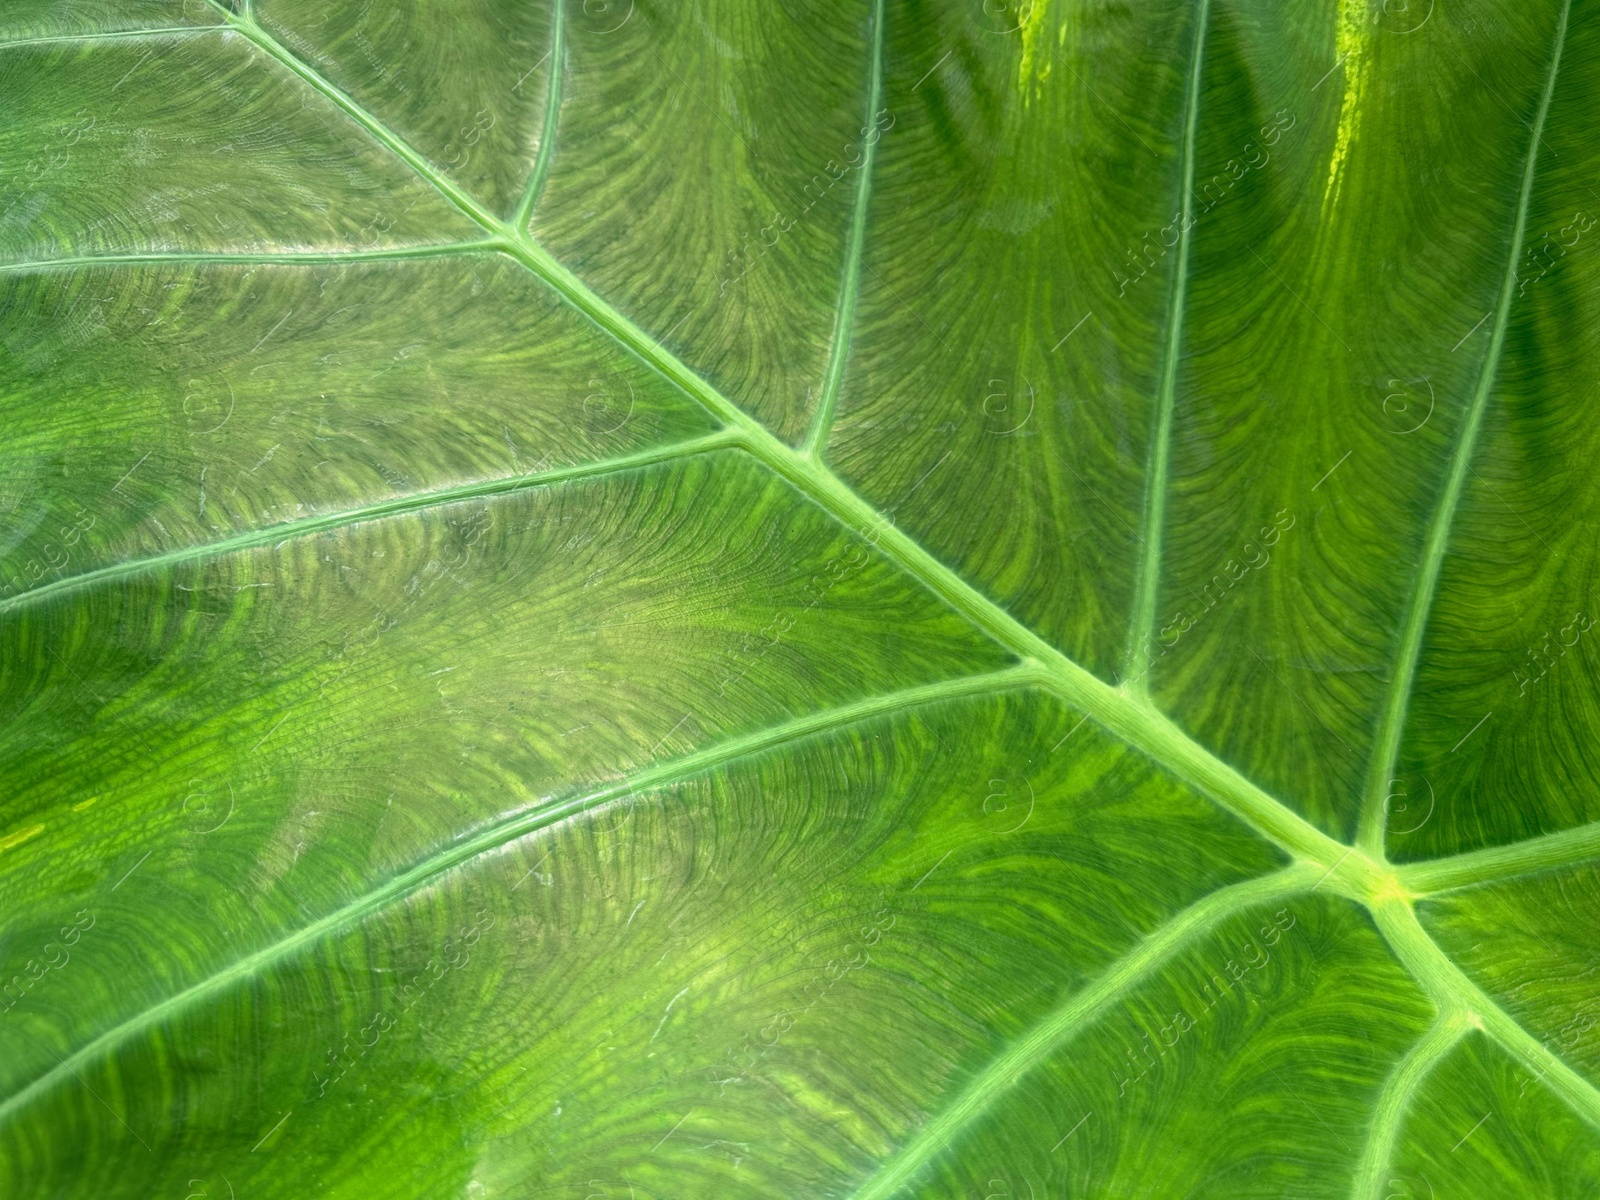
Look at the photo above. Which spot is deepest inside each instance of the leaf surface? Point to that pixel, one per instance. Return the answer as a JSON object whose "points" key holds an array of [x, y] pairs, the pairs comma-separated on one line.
{"points": [[859, 599]]}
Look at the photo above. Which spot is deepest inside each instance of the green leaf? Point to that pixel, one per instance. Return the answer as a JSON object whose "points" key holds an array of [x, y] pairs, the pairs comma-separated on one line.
{"points": [[847, 599]]}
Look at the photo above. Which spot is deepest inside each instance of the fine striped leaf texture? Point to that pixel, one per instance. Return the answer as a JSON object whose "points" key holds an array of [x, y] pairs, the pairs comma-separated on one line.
{"points": [[814, 599]]}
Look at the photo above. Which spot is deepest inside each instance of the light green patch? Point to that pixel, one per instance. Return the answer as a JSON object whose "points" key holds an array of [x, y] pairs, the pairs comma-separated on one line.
{"points": [[1032, 70], [1352, 47]]}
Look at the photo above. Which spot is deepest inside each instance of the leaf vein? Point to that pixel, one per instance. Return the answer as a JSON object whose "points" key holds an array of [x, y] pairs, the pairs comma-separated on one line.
{"points": [[1141, 628], [1450, 989], [850, 285], [1399, 1091], [1370, 832], [252, 257], [344, 518], [501, 833], [1128, 716], [1569, 847], [112, 35], [1057, 1028], [552, 115], [393, 142]]}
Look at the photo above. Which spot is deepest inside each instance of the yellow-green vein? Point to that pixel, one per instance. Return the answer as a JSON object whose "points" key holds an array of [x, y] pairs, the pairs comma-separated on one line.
{"points": [[295, 258], [1036, 1046], [1370, 831], [391, 141], [1395, 1100], [850, 284], [499, 834], [552, 116], [1147, 579], [1117, 710], [1450, 989], [1553, 850]]}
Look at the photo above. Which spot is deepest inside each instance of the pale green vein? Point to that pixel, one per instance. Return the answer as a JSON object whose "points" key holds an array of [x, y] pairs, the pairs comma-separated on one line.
{"points": [[1127, 716], [1147, 583], [391, 140], [1399, 1090], [498, 835], [850, 285], [1036, 1046], [255, 258], [1450, 989], [1567, 848], [552, 114], [415, 502], [114, 35], [1141, 726], [1370, 833]]}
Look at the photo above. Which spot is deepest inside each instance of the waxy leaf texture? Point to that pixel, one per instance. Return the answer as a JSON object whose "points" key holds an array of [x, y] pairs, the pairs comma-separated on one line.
{"points": [[685, 599]]}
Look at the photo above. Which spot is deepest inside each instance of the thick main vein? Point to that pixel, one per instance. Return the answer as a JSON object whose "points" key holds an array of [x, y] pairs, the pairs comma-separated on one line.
{"points": [[850, 284], [499, 834], [1371, 827], [1147, 582], [1450, 989], [1567, 848], [1038, 1044], [269, 535], [1129, 716], [1399, 1091], [552, 116]]}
